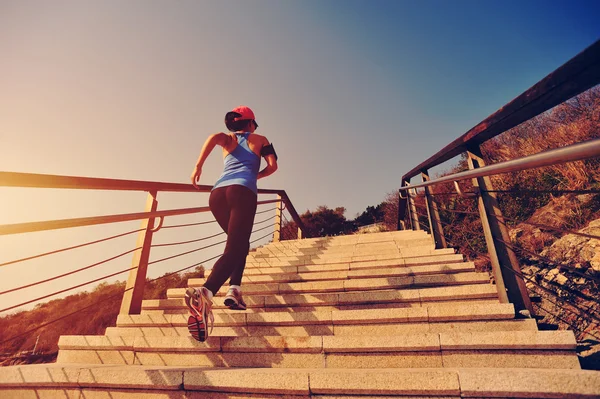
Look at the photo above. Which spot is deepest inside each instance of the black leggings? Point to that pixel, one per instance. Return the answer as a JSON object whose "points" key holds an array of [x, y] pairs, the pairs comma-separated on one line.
{"points": [[234, 208]]}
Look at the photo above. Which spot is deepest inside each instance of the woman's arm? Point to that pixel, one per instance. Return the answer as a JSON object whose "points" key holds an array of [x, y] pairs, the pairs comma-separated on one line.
{"points": [[209, 145], [271, 159]]}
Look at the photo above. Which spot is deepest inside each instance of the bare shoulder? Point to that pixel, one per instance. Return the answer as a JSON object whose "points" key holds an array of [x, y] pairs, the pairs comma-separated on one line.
{"points": [[261, 139], [222, 139]]}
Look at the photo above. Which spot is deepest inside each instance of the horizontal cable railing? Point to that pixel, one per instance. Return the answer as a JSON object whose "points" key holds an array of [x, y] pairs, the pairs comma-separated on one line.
{"points": [[116, 296], [440, 206]]}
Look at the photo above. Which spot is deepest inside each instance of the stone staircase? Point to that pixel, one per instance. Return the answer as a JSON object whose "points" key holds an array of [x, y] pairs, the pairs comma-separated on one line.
{"points": [[377, 315]]}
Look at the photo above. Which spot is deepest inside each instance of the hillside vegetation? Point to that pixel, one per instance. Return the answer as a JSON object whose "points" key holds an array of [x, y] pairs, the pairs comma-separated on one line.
{"points": [[541, 207]]}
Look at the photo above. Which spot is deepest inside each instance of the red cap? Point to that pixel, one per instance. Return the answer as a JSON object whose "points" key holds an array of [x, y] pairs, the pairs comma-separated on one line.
{"points": [[245, 112]]}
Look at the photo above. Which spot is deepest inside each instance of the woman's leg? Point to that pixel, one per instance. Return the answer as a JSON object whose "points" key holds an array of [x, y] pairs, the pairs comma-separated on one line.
{"points": [[242, 220], [239, 204], [217, 201]]}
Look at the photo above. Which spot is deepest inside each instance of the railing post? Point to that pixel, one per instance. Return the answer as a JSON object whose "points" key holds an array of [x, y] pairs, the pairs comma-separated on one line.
{"points": [[413, 211], [511, 288], [435, 225], [402, 207], [277, 226], [132, 298]]}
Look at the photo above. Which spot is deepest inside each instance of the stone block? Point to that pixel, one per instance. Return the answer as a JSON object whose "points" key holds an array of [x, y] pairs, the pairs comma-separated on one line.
{"points": [[378, 283], [452, 279], [131, 394], [320, 268], [228, 395], [528, 383], [374, 330], [367, 262], [90, 342], [271, 381], [458, 292], [176, 344], [447, 312], [140, 320], [291, 331], [557, 340], [385, 381], [40, 393], [301, 300], [402, 315], [131, 377], [486, 325], [289, 319], [254, 289], [174, 293], [510, 358], [433, 260], [68, 356], [179, 359], [365, 343], [273, 344], [391, 296], [39, 375], [425, 250], [313, 286], [370, 360], [162, 304]]}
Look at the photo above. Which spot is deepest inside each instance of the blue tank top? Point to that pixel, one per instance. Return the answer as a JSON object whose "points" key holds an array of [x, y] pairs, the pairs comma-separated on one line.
{"points": [[241, 166]]}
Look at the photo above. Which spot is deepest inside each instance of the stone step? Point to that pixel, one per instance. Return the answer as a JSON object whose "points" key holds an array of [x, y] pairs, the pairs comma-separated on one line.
{"points": [[385, 297], [391, 271], [440, 261], [358, 262], [497, 340], [433, 313], [296, 309], [347, 240], [95, 381], [548, 349], [410, 251], [416, 247], [337, 330], [362, 284]]}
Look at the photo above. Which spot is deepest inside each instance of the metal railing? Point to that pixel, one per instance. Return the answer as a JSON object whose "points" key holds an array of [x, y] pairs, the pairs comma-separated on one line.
{"points": [[152, 221], [573, 78]]}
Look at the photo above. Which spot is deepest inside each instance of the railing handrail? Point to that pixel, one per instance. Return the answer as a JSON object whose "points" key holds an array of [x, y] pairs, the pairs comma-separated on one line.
{"points": [[30, 227], [574, 152], [36, 180], [572, 78]]}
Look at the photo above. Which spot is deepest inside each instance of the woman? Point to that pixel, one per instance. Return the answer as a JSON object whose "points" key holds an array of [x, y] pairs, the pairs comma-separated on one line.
{"points": [[233, 203]]}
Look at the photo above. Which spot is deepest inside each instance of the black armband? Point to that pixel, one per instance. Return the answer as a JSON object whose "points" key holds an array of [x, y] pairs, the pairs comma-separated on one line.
{"points": [[268, 150]]}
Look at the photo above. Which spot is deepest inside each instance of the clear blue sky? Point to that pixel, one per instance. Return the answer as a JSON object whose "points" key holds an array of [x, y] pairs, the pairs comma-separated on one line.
{"points": [[352, 94]]}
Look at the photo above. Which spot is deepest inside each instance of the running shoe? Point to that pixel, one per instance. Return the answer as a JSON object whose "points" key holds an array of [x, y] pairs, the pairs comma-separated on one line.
{"points": [[200, 313], [234, 300]]}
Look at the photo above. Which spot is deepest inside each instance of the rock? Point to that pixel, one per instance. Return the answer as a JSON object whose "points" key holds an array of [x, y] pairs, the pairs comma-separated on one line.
{"points": [[552, 273], [572, 248], [561, 279], [515, 233]]}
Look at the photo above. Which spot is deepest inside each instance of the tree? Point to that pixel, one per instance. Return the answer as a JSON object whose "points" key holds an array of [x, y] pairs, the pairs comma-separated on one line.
{"points": [[371, 215], [322, 222]]}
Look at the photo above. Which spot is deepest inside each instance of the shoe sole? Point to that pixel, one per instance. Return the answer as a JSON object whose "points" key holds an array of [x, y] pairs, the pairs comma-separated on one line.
{"points": [[232, 304], [196, 322]]}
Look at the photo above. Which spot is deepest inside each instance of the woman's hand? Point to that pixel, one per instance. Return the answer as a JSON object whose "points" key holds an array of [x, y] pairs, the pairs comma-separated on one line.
{"points": [[196, 176]]}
